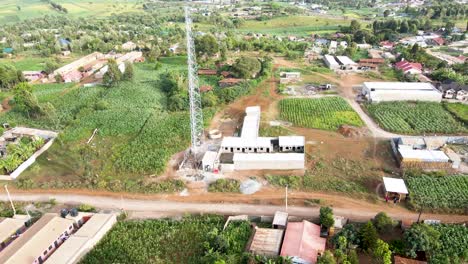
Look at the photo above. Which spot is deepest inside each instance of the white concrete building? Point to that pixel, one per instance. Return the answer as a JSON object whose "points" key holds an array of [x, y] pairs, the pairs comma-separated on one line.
{"points": [[376, 92], [251, 152], [331, 63], [346, 63]]}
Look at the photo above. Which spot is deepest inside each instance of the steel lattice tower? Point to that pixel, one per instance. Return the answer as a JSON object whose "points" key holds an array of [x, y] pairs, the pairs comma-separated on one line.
{"points": [[196, 113]]}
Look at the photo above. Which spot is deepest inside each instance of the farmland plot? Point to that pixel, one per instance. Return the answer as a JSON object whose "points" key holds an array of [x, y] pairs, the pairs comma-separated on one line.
{"points": [[438, 192], [415, 118], [170, 241], [325, 113]]}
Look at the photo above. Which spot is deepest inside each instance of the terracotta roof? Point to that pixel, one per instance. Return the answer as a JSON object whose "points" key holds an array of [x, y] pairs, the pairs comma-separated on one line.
{"points": [[406, 66], [373, 61], [226, 73], [439, 41], [401, 260], [205, 88], [231, 80], [207, 72], [302, 240], [387, 43]]}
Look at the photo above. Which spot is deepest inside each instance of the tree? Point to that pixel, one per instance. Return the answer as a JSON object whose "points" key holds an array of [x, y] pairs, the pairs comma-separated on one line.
{"points": [[113, 74], [368, 236], [381, 253], [50, 66], [10, 76], [26, 101], [326, 217], [247, 67], [129, 72], [206, 45], [383, 223], [421, 237], [353, 257], [404, 27], [326, 258], [354, 26], [153, 54], [386, 13]]}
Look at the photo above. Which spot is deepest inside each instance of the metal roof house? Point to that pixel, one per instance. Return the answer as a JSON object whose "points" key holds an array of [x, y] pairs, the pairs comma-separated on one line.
{"points": [[331, 62], [78, 244], [267, 242], [39, 241], [303, 243], [376, 92]]}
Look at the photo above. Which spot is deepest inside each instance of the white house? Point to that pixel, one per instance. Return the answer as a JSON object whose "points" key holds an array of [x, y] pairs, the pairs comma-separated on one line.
{"points": [[376, 92], [331, 63]]}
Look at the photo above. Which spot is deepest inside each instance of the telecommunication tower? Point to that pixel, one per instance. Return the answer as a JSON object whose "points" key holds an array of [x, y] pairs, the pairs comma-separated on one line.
{"points": [[196, 113]]}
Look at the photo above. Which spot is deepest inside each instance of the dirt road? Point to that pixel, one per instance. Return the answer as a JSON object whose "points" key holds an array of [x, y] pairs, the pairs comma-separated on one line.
{"points": [[141, 208]]}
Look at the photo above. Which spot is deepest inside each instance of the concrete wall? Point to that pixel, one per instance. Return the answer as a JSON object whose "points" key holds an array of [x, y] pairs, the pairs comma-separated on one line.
{"points": [[28, 162], [268, 165]]}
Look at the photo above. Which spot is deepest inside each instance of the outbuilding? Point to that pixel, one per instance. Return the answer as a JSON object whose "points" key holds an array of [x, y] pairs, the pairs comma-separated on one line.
{"points": [[331, 63], [280, 220], [267, 242], [394, 188]]}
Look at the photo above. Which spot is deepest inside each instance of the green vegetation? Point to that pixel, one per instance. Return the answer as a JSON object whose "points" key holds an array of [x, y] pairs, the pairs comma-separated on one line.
{"points": [[414, 117], [9, 76], [438, 193], [18, 153], [327, 113], [383, 223], [190, 240], [225, 185], [459, 110], [300, 25], [444, 243], [326, 217]]}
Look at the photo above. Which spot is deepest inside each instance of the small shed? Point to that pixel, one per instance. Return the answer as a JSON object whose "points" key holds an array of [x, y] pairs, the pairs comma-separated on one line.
{"points": [[394, 187], [267, 242], [208, 160], [280, 221]]}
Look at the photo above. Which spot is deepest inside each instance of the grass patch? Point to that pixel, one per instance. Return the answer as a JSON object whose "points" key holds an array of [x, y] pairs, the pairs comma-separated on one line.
{"points": [[225, 185], [414, 117], [324, 113]]}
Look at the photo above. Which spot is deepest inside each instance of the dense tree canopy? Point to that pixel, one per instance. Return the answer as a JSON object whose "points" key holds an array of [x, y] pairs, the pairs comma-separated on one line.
{"points": [[247, 67]]}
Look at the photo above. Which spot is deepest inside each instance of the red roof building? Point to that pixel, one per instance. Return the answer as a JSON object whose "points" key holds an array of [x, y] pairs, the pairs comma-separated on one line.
{"points": [[401, 260], [302, 242], [207, 72], [229, 82], [387, 44], [409, 67], [226, 74], [205, 88], [375, 61], [438, 41]]}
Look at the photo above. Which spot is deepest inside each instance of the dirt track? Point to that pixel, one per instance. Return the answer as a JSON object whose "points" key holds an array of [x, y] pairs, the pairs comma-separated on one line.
{"points": [[143, 208]]}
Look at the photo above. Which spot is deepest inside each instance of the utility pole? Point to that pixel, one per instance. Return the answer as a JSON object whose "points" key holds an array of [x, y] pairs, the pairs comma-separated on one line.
{"points": [[286, 198], [9, 198]]}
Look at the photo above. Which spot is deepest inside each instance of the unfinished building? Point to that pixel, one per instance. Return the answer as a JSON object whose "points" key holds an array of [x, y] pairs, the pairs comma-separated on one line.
{"points": [[252, 152]]}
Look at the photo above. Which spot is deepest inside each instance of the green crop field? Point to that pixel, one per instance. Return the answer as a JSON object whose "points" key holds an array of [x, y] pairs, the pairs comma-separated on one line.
{"points": [[415, 118], [438, 192], [300, 25], [136, 134], [459, 110], [10, 13], [189, 240], [453, 242], [327, 113]]}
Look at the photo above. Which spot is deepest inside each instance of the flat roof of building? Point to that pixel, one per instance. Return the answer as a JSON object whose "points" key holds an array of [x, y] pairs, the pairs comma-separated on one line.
{"points": [[32, 243], [238, 142], [9, 226], [395, 185], [250, 127], [407, 153], [291, 140], [267, 241], [399, 86], [268, 157]]}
